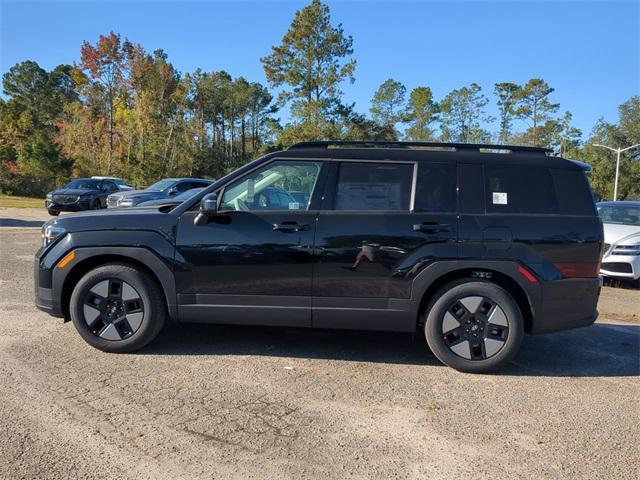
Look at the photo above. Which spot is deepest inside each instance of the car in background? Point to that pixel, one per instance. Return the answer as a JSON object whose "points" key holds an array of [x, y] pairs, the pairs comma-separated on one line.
{"points": [[80, 194], [173, 201], [621, 222], [118, 181], [162, 190]]}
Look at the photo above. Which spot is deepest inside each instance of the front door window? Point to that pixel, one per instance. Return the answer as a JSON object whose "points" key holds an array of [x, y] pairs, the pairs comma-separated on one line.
{"points": [[281, 185]]}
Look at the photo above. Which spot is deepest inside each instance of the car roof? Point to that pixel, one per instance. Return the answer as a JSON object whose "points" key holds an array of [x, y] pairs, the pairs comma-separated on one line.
{"points": [[431, 151]]}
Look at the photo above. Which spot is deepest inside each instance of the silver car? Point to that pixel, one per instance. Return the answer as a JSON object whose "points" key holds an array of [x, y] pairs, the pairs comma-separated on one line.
{"points": [[621, 222]]}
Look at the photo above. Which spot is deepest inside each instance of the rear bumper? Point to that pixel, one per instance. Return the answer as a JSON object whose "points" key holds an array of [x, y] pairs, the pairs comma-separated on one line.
{"points": [[567, 304]]}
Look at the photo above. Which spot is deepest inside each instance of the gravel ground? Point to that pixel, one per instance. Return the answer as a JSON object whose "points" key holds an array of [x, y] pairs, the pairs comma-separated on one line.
{"points": [[237, 402]]}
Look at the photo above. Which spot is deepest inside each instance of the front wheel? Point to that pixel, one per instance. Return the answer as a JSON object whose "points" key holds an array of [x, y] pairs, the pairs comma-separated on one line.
{"points": [[474, 326], [53, 213], [117, 308]]}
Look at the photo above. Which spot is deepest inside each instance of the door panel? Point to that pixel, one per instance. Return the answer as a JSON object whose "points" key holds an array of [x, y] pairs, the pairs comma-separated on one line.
{"points": [[240, 259], [376, 256], [252, 263], [367, 260]]}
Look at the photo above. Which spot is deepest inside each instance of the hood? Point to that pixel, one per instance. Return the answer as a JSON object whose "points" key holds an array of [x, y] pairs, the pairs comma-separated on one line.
{"points": [[75, 191], [116, 219], [614, 232], [137, 194]]}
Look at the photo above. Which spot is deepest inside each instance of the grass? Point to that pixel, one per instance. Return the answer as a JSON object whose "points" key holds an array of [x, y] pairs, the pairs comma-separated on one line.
{"points": [[20, 202]]}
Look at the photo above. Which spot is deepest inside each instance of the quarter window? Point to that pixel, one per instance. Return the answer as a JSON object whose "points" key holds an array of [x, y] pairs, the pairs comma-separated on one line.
{"points": [[519, 190], [268, 188], [374, 186]]}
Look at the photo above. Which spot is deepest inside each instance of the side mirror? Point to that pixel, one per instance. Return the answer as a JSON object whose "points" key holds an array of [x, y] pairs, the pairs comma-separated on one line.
{"points": [[208, 208], [173, 191]]}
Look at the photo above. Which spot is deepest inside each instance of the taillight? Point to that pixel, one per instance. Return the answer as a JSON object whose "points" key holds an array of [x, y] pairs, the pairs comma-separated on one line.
{"points": [[578, 270], [527, 274]]}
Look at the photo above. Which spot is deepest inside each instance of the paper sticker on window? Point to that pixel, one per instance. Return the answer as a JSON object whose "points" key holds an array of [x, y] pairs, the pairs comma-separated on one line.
{"points": [[500, 198]]}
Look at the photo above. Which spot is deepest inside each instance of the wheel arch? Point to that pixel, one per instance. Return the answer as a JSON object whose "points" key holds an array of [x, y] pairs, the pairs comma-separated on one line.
{"points": [[495, 276], [136, 259]]}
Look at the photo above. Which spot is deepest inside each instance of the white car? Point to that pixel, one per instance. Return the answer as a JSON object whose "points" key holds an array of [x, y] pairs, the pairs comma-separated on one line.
{"points": [[621, 239], [118, 181]]}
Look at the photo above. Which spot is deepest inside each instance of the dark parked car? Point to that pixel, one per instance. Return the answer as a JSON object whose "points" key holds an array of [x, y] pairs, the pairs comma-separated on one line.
{"points": [[171, 201], [80, 194], [166, 188], [471, 245]]}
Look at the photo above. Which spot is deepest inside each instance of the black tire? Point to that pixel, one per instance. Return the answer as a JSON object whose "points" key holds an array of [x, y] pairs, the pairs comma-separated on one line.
{"points": [[150, 296], [96, 205], [53, 213], [447, 301]]}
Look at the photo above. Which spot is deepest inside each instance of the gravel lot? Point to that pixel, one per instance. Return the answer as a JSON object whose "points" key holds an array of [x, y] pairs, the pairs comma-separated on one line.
{"points": [[237, 402]]}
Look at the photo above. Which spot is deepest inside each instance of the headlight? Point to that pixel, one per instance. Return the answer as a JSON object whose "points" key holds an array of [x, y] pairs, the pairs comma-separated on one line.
{"points": [[49, 196], [50, 233]]}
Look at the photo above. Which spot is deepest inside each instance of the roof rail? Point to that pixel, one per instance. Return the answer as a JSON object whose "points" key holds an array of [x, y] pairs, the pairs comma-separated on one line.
{"points": [[433, 145]]}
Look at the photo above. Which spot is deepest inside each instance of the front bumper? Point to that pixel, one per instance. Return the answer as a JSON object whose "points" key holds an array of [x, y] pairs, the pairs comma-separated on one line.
{"points": [[45, 300], [621, 266], [79, 206]]}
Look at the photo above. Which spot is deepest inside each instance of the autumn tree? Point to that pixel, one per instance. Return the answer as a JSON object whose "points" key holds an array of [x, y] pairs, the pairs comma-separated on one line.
{"points": [[421, 114], [105, 65], [462, 115], [310, 63]]}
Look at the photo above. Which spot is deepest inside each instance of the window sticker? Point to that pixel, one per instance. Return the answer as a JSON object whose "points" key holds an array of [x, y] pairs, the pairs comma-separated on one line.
{"points": [[500, 198]]}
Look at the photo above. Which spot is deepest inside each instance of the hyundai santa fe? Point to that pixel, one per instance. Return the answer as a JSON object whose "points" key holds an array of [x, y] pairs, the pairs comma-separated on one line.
{"points": [[471, 245]]}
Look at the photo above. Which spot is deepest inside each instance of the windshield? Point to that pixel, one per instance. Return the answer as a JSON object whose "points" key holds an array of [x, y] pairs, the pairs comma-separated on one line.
{"points": [[161, 185], [188, 194], [84, 184], [621, 214]]}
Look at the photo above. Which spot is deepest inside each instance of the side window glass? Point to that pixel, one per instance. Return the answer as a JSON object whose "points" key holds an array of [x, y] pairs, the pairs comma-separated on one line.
{"points": [[519, 190], [436, 187], [268, 188], [183, 187], [373, 186]]}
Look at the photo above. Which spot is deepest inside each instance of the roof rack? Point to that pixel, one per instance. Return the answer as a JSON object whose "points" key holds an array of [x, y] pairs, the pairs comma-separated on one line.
{"points": [[427, 145]]}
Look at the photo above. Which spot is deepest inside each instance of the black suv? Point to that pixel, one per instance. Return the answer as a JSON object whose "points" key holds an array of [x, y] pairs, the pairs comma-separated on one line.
{"points": [[473, 244], [80, 194]]}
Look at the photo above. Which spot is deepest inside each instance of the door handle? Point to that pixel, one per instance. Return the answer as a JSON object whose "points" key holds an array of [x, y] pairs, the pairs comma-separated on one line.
{"points": [[290, 227], [431, 227]]}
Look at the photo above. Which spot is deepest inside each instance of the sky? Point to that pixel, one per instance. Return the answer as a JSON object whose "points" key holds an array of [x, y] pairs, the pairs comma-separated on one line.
{"points": [[588, 51]]}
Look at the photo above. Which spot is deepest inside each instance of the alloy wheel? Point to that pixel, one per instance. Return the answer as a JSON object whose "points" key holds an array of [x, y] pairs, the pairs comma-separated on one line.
{"points": [[113, 310], [475, 328]]}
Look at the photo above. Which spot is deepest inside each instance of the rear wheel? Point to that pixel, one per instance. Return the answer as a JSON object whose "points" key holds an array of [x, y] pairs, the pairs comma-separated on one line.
{"points": [[474, 326], [117, 308]]}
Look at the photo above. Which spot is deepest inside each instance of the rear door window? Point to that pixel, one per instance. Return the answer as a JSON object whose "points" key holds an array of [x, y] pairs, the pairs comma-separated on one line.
{"points": [[519, 190], [436, 187], [375, 186]]}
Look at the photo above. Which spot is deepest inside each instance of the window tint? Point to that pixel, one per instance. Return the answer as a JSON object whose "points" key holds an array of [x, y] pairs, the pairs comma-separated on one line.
{"points": [[436, 187], [519, 190], [573, 192], [268, 188], [183, 187], [373, 186]]}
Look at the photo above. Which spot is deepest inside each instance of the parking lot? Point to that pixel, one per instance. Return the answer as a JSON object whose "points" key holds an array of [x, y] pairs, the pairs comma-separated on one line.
{"points": [[238, 402]]}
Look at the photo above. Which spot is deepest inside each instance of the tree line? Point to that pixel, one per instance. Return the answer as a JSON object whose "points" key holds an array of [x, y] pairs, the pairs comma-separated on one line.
{"points": [[123, 111]]}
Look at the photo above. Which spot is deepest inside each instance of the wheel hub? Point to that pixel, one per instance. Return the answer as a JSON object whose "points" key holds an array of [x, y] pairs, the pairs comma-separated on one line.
{"points": [[113, 309], [475, 328]]}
